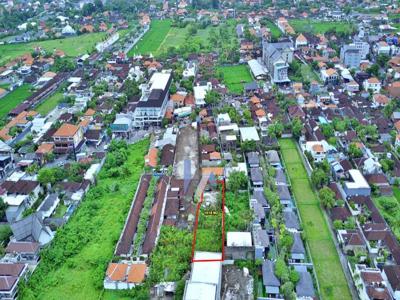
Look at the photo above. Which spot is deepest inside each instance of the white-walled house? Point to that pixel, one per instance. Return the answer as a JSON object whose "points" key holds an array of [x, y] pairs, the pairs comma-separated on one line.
{"points": [[372, 84]]}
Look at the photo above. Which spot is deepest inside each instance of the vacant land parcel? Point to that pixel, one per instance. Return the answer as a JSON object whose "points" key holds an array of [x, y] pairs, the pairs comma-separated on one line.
{"points": [[307, 25], [162, 36], [72, 46], [13, 99], [329, 271], [235, 77], [74, 265]]}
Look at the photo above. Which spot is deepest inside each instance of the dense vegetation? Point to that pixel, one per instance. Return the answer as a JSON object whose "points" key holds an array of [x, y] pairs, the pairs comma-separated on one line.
{"points": [[79, 254]]}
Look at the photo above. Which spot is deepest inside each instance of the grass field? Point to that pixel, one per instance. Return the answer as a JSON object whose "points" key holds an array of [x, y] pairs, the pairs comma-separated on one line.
{"points": [[329, 271], [235, 77], [305, 25], [176, 37], [162, 36], [13, 99], [49, 104], [72, 46], [152, 40], [82, 248]]}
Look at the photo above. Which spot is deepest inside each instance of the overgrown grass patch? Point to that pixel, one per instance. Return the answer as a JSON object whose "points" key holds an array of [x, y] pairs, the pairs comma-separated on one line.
{"points": [[74, 265]]}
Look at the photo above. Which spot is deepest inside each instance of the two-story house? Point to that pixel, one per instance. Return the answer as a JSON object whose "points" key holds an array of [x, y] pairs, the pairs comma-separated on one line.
{"points": [[68, 139]]}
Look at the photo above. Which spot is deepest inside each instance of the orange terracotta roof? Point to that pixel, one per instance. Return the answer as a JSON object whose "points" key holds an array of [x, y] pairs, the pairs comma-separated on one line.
{"points": [[169, 114], [395, 84], [215, 155], [151, 157], [66, 130], [178, 98], [330, 72], [381, 99], [260, 113], [217, 171], [373, 80], [45, 148], [397, 125], [84, 123], [318, 148], [90, 112], [255, 100], [117, 272], [137, 273], [301, 38]]}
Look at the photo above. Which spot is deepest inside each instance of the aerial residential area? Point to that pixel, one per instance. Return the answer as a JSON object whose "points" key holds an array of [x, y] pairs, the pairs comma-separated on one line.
{"points": [[199, 149]]}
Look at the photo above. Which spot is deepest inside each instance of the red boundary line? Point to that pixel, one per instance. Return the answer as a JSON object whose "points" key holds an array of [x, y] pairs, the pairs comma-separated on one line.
{"points": [[196, 223]]}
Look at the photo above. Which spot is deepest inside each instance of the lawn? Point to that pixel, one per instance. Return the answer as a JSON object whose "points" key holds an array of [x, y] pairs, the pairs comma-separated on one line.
{"points": [[50, 103], [74, 265], [72, 46], [305, 25], [235, 77], [329, 271], [13, 99], [152, 40]]}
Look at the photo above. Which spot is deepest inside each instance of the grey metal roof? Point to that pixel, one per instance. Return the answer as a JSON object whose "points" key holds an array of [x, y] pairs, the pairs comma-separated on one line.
{"points": [[261, 238], [29, 227], [283, 192], [298, 246], [253, 158], [269, 278], [280, 177], [48, 202], [291, 220], [251, 86], [258, 194], [273, 157], [258, 210], [256, 175], [304, 287]]}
